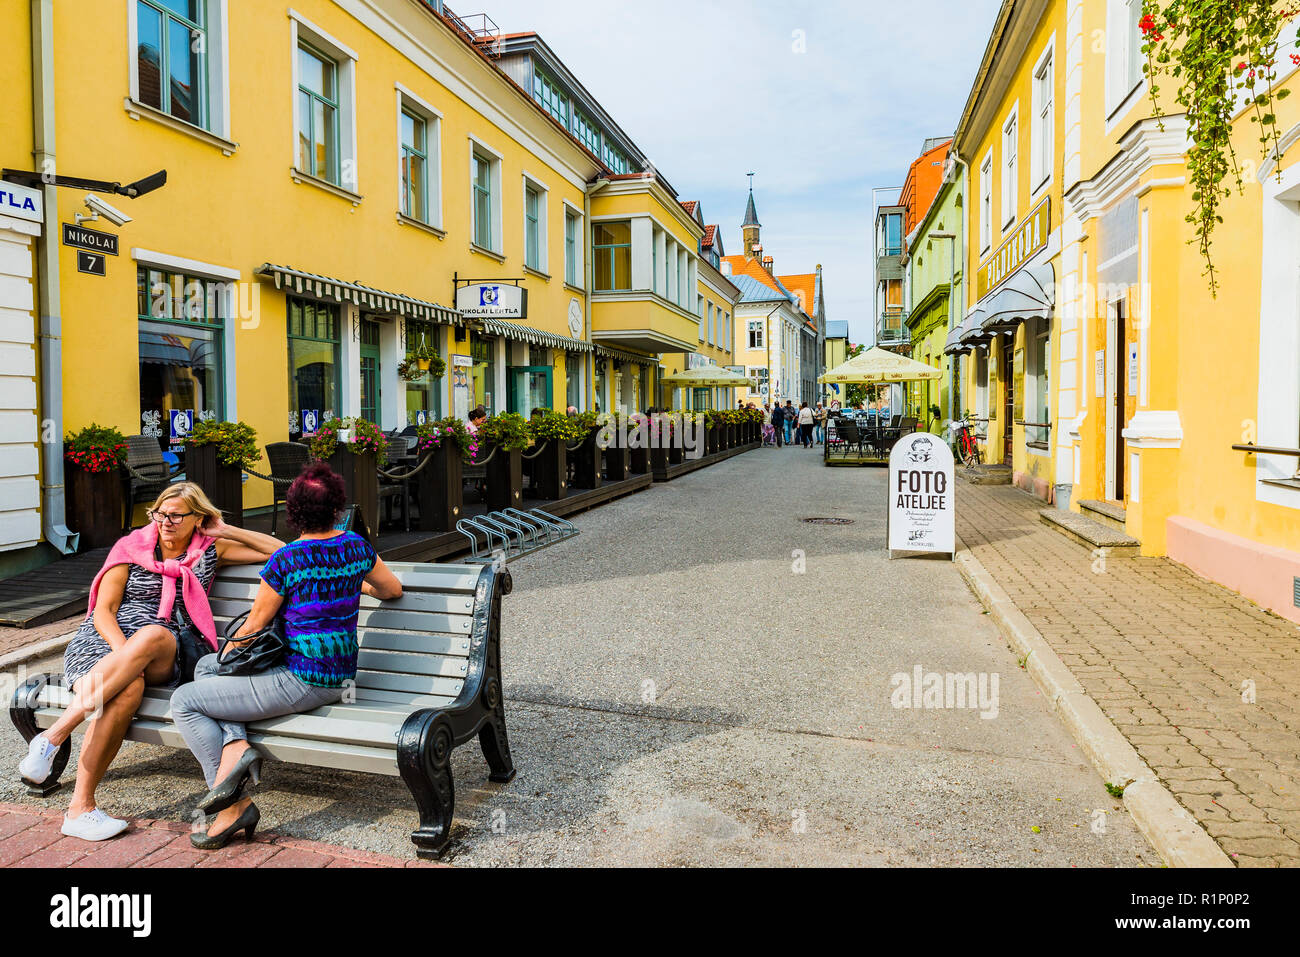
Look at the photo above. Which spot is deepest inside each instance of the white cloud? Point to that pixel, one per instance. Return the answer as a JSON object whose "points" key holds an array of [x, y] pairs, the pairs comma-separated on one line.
{"points": [[711, 91]]}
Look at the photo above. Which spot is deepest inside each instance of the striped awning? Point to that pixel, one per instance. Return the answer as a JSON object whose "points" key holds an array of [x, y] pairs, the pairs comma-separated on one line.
{"points": [[537, 337], [605, 352], [327, 289]]}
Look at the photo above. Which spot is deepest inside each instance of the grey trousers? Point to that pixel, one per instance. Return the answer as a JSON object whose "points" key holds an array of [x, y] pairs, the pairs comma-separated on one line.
{"points": [[210, 711]]}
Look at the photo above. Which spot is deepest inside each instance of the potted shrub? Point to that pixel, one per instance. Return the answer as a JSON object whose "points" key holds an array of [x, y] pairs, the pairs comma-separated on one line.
{"points": [[93, 462], [216, 454], [355, 448], [440, 484], [408, 370], [426, 359], [504, 436], [554, 432]]}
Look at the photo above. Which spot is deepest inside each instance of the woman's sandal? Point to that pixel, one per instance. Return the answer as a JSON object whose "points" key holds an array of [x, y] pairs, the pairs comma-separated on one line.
{"points": [[228, 790]]}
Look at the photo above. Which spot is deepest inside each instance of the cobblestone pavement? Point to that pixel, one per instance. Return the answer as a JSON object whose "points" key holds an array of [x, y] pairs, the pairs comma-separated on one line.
{"points": [[30, 837], [1202, 682]]}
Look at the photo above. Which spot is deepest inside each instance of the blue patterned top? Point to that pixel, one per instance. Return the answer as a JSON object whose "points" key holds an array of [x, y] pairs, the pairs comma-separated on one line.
{"points": [[320, 581]]}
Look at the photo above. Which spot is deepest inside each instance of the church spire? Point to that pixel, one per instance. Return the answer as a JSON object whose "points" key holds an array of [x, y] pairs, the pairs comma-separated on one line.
{"points": [[749, 229]]}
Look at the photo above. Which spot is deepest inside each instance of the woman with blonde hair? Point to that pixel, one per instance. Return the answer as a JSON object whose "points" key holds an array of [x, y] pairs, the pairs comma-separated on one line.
{"points": [[132, 632]]}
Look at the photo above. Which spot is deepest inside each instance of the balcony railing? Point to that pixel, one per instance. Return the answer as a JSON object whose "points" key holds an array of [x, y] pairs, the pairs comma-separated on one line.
{"points": [[891, 329]]}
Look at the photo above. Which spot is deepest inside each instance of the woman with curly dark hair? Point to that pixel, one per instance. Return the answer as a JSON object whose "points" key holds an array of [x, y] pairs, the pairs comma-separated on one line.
{"points": [[316, 583]]}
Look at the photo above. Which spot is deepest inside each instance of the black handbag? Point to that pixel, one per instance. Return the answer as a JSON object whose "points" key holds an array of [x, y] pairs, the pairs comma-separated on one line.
{"points": [[257, 652], [190, 647]]}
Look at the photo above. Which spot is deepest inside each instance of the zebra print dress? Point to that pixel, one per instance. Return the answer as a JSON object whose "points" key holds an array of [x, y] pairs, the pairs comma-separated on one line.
{"points": [[139, 608]]}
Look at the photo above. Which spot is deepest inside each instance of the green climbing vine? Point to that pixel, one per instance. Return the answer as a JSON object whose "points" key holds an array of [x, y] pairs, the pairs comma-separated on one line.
{"points": [[1222, 56]]}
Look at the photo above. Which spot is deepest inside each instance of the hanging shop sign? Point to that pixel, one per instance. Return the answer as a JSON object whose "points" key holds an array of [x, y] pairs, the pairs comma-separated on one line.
{"points": [[462, 360], [921, 492], [91, 239], [1030, 236], [21, 202], [487, 300]]}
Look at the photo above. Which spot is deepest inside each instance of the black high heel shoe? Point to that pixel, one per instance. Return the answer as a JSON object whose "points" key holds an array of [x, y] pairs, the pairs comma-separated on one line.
{"points": [[214, 842], [227, 791]]}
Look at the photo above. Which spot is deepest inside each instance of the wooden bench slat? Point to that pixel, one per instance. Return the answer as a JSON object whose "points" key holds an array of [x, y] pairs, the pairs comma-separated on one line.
{"points": [[413, 701], [397, 618], [375, 640], [383, 681], [459, 604], [446, 665], [454, 578]]}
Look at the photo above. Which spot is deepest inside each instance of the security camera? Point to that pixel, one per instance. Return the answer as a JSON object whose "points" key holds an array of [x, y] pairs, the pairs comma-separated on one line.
{"points": [[99, 208]]}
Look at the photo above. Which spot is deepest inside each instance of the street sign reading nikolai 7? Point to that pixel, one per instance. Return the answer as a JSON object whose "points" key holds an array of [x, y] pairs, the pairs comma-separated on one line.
{"points": [[91, 239], [92, 263]]}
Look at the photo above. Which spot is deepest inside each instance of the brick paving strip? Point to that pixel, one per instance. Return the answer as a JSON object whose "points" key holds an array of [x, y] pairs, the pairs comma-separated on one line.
{"points": [[1140, 653], [29, 837]]}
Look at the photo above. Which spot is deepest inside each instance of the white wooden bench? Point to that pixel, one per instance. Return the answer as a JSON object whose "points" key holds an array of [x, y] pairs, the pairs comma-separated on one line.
{"points": [[428, 681]]}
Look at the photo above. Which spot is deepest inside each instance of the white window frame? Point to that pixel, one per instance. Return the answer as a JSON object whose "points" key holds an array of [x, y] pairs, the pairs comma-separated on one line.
{"points": [[302, 30], [1123, 48], [411, 102], [699, 308], [579, 266], [712, 327], [1042, 137], [543, 216], [217, 37], [1010, 167], [494, 160], [986, 206]]}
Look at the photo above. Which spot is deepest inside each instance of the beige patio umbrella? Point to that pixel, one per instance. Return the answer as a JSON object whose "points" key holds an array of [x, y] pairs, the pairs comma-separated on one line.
{"points": [[709, 376], [880, 365]]}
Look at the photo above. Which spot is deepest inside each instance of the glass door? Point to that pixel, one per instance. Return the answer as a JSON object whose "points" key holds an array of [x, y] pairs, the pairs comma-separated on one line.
{"points": [[530, 388], [370, 389]]}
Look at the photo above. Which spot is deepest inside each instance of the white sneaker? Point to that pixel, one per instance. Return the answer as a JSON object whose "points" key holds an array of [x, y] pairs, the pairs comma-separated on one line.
{"points": [[36, 767], [94, 825]]}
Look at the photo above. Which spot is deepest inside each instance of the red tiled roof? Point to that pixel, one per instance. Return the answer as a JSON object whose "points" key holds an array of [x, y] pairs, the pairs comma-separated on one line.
{"points": [[709, 232], [690, 206], [802, 285]]}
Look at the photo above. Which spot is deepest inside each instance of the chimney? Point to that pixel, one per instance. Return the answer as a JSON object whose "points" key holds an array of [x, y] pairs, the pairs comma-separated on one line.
{"points": [[767, 264]]}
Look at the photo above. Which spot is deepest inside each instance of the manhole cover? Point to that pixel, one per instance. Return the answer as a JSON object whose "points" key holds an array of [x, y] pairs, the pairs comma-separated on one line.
{"points": [[828, 521]]}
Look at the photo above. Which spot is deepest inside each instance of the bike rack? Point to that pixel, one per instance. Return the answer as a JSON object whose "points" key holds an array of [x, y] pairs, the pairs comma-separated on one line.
{"points": [[519, 533]]}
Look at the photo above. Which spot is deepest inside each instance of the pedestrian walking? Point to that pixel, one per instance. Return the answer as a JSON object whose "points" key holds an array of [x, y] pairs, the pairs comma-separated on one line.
{"points": [[819, 424], [769, 437], [789, 418], [805, 426], [778, 423]]}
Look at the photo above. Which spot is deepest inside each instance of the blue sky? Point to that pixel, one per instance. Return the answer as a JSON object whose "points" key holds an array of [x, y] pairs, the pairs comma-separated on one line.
{"points": [[714, 90]]}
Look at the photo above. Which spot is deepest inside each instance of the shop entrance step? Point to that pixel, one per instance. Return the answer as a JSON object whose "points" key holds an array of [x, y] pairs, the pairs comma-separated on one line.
{"points": [[1091, 534], [1112, 514]]}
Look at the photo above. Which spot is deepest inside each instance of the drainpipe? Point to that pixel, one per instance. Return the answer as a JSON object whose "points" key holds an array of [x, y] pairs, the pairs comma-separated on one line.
{"points": [[53, 503], [589, 271]]}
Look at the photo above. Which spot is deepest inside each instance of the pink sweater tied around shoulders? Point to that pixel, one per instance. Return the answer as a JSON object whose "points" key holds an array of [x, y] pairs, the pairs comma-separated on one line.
{"points": [[138, 548]]}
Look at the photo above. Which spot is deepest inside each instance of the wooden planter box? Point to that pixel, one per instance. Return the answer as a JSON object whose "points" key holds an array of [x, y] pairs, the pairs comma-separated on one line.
{"points": [[505, 480], [711, 440], [551, 471], [441, 489], [616, 463], [95, 502], [676, 454], [223, 484], [586, 469], [659, 464], [639, 460], [362, 484]]}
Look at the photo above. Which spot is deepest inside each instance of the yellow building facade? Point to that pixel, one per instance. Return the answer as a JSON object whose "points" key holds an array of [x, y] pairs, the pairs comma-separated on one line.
{"points": [[350, 182], [1173, 412]]}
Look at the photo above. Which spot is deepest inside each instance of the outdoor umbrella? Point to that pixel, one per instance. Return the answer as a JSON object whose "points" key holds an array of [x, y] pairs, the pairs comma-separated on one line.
{"points": [[709, 376], [879, 365]]}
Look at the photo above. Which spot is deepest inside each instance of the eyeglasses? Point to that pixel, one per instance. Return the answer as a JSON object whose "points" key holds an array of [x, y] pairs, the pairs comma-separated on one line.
{"points": [[171, 518]]}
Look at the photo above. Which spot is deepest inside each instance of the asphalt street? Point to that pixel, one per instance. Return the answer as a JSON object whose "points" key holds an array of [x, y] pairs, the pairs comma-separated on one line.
{"points": [[702, 677]]}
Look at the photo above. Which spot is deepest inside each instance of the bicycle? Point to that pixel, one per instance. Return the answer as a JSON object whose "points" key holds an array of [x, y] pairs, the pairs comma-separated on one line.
{"points": [[966, 442]]}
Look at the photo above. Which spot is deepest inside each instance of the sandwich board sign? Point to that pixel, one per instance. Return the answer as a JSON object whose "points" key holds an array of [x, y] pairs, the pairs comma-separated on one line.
{"points": [[921, 492]]}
